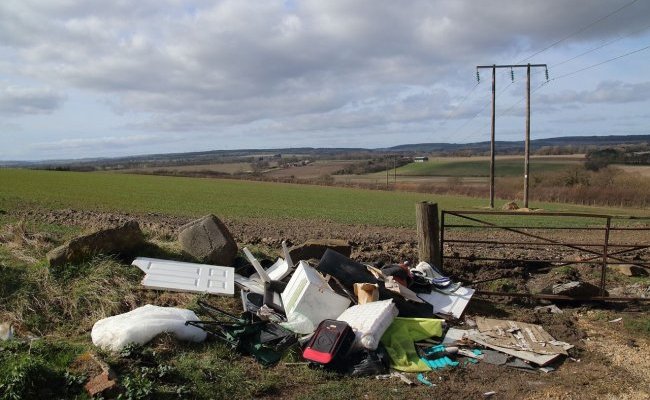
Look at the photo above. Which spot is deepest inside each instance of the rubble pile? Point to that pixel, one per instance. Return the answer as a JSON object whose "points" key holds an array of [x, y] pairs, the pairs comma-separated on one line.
{"points": [[353, 318]]}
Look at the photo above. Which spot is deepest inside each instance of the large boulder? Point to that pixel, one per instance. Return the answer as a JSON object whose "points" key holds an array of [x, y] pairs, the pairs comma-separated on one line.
{"points": [[123, 241], [208, 240], [316, 248], [575, 289]]}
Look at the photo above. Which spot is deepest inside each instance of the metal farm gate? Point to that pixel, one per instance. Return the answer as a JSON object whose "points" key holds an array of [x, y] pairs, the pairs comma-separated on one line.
{"points": [[553, 239]]}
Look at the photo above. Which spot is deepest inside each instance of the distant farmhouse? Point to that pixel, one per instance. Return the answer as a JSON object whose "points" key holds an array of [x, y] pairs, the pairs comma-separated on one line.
{"points": [[421, 159]]}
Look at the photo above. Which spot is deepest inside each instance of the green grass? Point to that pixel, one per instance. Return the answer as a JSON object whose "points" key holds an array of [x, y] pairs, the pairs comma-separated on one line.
{"points": [[474, 168], [37, 370], [639, 325], [226, 198]]}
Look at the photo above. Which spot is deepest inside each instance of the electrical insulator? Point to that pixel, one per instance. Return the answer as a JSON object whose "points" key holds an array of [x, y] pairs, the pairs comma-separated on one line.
{"points": [[546, 73], [512, 75], [478, 77]]}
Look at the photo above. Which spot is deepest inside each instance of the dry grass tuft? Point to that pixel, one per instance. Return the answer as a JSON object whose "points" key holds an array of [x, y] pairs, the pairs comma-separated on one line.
{"points": [[70, 299], [25, 245]]}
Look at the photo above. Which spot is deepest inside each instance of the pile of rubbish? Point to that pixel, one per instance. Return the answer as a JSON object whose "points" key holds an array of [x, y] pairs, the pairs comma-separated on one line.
{"points": [[338, 314]]}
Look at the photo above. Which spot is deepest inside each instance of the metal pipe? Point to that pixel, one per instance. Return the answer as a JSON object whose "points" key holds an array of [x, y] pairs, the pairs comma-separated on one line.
{"points": [[560, 297], [546, 244], [528, 214], [535, 228]]}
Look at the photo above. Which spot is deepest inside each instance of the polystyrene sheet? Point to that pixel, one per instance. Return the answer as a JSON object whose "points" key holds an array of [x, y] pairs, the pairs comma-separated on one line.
{"points": [[369, 321]]}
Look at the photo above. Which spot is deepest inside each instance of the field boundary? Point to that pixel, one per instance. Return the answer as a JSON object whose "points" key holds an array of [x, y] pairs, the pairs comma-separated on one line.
{"points": [[603, 253]]}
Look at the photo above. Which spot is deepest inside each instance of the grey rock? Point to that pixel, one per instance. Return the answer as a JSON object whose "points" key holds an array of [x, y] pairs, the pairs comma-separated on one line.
{"points": [[634, 290], [574, 289], [124, 240], [314, 249], [209, 241]]}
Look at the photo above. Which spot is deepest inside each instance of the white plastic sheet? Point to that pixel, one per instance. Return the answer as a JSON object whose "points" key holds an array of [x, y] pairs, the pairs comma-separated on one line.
{"points": [[451, 304], [143, 324]]}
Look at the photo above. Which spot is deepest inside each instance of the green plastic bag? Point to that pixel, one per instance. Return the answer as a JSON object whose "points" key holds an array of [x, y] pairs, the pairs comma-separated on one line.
{"points": [[400, 337]]}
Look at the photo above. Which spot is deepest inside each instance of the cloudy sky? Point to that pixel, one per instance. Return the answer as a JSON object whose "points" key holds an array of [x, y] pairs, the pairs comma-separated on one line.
{"points": [[84, 78]]}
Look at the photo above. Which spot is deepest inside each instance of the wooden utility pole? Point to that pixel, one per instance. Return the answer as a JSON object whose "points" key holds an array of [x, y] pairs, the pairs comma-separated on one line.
{"points": [[394, 169], [492, 136], [426, 215], [527, 144]]}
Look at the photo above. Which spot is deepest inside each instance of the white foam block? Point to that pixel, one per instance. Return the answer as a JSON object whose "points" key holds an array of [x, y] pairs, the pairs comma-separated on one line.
{"points": [[143, 324]]}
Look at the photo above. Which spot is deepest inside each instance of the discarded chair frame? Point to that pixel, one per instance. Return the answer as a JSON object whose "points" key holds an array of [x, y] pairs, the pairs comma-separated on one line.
{"points": [[264, 340], [600, 253]]}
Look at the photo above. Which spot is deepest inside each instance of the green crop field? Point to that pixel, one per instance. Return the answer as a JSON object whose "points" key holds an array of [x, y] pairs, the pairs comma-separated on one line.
{"points": [[227, 198], [470, 168]]}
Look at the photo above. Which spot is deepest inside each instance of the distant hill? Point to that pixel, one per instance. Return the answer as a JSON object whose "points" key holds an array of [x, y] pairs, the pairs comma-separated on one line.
{"points": [[536, 144], [203, 157]]}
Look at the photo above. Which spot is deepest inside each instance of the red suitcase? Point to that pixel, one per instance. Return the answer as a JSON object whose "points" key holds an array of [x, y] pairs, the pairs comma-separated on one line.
{"points": [[331, 341]]}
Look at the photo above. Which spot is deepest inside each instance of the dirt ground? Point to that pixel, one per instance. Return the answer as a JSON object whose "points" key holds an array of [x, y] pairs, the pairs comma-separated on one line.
{"points": [[609, 361]]}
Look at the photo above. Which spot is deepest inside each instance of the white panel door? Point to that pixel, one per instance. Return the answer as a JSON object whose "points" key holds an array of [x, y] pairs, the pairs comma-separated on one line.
{"points": [[186, 277]]}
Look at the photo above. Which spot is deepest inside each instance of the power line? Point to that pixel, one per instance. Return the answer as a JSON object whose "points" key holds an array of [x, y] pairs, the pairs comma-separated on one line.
{"points": [[601, 46], [478, 113], [573, 73], [578, 31], [601, 63], [503, 112], [459, 104], [540, 86], [565, 61], [467, 122]]}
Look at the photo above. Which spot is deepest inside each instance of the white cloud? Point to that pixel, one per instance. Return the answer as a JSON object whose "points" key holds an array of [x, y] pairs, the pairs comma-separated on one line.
{"points": [[313, 67]]}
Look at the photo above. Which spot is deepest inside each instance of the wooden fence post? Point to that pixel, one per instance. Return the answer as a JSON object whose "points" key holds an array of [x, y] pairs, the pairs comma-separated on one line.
{"points": [[426, 215]]}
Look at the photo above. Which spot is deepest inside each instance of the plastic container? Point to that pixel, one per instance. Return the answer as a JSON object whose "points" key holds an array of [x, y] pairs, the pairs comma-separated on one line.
{"points": [[307, 294]]}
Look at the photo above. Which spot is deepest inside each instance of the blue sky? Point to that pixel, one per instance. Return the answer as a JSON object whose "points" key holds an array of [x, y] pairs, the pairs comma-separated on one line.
{"points": [[108, 78]]}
